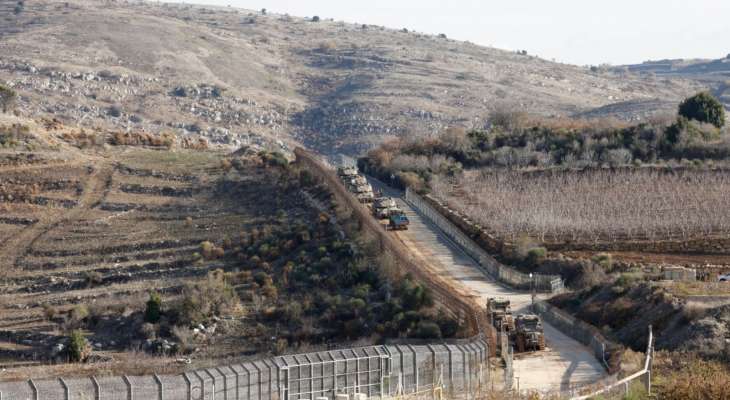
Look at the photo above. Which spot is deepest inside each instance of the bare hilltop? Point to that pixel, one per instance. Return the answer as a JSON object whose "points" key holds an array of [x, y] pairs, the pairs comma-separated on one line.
{"points": [[239, 76]]}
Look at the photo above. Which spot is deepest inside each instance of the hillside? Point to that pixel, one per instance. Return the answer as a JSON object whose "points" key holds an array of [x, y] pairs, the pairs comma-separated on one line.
{"points": [[238, 76], [713, 73]]}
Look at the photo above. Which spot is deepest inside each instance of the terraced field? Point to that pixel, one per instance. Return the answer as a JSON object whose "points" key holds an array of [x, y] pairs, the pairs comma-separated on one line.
{"points": [[104, 231]]}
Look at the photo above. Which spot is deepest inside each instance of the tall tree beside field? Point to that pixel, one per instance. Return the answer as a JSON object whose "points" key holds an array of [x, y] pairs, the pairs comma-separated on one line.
{"points": [[7, 98], [703, 107]]}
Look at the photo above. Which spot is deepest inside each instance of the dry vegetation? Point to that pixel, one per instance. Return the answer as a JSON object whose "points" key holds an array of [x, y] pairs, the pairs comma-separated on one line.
{"points": [[340, 87], [182, 253], [594, 205]]}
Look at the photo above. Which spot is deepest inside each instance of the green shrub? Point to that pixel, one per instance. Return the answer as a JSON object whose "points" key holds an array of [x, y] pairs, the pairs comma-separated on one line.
{"points": [[153, 311], [7, 98], [536, 255], [79, 313], [605, 260], [703, 107], [78, 348], [211, 297], [427, 330]]}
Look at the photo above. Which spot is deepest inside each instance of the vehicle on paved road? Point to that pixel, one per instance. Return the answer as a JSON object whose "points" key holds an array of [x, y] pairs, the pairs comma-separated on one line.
{"points": [[529, 334], [500, 312], [398, 221]]}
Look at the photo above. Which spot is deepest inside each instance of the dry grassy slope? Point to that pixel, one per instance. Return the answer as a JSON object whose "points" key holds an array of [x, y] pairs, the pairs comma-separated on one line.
{"points": [[334, 86]]}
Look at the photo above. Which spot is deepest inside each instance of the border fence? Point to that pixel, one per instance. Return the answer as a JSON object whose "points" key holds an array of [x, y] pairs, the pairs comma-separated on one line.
{"points": [[460, 366], [501, 272], [638, 382], [604, 350], [472, 312]]}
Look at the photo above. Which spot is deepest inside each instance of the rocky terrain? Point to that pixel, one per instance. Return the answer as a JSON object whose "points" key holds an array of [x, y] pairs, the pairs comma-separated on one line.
{"points": [[239, 76], [713, 73]]}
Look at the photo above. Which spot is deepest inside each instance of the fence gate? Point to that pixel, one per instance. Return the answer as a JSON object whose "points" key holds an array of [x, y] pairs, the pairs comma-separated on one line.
{"points": [[325, 374]]}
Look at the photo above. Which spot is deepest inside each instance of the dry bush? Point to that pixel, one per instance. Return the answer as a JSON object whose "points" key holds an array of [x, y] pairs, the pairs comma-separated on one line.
{"points": [[210, 251], [594, 205], [165, 139], [82, 139], [211, 297], [193, 144], [696, 380]]}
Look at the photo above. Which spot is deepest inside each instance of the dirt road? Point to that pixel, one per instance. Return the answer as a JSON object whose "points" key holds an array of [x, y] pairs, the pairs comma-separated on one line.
{"points": [[565, 363], [94, 190]]}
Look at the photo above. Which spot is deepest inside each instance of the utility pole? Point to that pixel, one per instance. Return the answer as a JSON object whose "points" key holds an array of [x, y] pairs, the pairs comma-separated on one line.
{"points": [[532, 290]]}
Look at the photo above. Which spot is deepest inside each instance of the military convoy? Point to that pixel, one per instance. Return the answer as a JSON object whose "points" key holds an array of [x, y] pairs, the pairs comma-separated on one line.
{"points": [[525, 331], [382, 207], [357, 184]]}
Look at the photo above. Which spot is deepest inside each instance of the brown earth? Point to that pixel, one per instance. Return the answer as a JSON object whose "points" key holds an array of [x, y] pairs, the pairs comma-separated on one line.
{"points": [[238, 76]]}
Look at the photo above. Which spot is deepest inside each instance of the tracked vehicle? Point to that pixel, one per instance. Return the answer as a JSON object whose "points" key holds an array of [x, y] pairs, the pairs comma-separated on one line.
{"points": [[384, 206], [346, 173]]}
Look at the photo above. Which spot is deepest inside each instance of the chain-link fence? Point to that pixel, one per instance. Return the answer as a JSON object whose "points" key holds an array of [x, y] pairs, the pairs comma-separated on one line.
{"points": [[604, 350], [637, 384], [503, 273], [376, 371]]}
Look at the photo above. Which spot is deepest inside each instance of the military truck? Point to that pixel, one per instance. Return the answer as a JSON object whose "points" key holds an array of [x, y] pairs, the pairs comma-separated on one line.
{"points": [[529, 334], [397, 221], [500, 312]]}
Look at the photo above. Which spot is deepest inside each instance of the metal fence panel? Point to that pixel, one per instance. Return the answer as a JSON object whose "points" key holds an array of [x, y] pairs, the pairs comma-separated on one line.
{"points": [[549, 283]]}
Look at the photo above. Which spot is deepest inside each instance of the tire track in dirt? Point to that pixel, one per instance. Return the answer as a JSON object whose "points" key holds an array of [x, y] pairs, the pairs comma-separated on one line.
{"points": [[95, 189]]}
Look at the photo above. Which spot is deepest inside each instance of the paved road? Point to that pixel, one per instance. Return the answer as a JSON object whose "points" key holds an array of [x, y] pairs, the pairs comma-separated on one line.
{"points": [[564, 364]]}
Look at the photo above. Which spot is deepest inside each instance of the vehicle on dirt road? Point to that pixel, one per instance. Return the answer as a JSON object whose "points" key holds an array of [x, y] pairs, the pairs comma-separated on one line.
{"points": [[724, 277], [500, 313], [529, 334], [398, 221]]}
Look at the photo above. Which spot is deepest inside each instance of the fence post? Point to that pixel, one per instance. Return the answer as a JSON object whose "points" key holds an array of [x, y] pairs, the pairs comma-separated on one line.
{"points": [[433, 361], [33, 388], [451, 370], [225, 383], [202, 385], [190, 385], [129, 386], [248, 381], [235, 372], [212, 378], [160, 387], [66, 392], [415, 365], [97, 387]]}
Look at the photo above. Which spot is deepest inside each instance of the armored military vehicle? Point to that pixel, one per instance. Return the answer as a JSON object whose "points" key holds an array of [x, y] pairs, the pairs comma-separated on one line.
{"points": [[529, 335], [498, 309]]}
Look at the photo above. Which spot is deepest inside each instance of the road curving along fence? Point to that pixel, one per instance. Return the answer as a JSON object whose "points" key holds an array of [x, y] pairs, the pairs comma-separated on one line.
{"points": [[459, 366], [499, 271]]}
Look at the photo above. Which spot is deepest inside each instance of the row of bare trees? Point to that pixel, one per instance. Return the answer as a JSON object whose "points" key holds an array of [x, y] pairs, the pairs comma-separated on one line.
{"points": [[593, 205]]}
